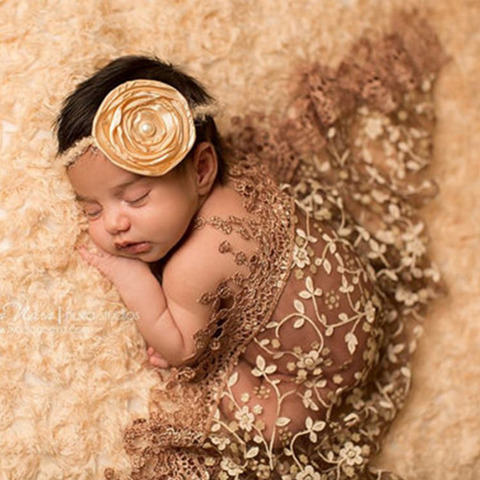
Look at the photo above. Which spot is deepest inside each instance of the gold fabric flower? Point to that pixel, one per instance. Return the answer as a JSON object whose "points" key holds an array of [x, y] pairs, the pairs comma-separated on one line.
{"points": [[145, 127]]}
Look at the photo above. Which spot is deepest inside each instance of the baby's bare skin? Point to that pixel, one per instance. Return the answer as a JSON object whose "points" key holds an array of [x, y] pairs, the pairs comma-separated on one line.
{"points": [[135, 220]]}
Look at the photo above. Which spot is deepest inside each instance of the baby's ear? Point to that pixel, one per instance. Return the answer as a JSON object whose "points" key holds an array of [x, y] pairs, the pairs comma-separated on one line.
{"points": [[205, 163]]}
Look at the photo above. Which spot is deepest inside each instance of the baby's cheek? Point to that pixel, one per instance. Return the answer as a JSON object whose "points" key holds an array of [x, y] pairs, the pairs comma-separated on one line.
{"points": [[99, 236]]}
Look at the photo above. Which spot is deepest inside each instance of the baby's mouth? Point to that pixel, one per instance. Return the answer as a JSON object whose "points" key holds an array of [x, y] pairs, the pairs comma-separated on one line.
{"points": [[133, 247]]}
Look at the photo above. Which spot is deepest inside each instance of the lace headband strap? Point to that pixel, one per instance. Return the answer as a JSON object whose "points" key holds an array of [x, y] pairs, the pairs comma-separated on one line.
{"points": [[143, 126]]}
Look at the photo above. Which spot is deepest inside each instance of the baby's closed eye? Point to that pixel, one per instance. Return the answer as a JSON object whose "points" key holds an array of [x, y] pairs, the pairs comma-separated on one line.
{"points": [[137, 198], [91, 211]]}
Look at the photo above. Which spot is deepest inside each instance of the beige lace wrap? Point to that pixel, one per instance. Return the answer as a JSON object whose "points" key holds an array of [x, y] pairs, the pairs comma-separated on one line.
{"points": [[306, 358]]}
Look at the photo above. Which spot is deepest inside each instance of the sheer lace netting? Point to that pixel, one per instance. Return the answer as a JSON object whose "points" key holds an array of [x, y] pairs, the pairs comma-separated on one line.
{"points": [[305, 362]]}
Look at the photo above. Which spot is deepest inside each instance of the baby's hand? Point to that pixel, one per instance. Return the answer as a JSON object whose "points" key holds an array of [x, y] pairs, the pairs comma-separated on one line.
{"points": [[156, 359], [119, 270]]}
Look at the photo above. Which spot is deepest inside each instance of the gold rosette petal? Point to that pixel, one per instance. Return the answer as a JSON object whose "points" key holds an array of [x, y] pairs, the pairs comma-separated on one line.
{"points": [[145, 127]]}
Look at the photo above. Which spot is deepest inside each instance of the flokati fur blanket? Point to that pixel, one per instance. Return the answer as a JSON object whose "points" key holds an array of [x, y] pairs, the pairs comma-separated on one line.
{"points": [[72, 373]]}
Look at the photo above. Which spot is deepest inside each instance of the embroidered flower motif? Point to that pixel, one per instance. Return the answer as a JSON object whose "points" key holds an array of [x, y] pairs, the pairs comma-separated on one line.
{"points": [[262, 392], [145, 127], [229, 466], [245, 418], [220, 441], [300, 256], [351, 454], [309, 360], [405, 296], [374, 127], [308, 473], [284, 435], [257, 409], [301, 376], [332, 300], [225, 247], [416, 247], [370, 311], [263, 472]]}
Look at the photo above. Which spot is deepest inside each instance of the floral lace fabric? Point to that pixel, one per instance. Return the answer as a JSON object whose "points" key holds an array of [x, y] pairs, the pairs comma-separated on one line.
{"points": [[305, 362]]}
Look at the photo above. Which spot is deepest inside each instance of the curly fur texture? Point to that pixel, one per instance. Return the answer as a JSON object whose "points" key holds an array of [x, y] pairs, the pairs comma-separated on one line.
{"points": [[71, 362]]}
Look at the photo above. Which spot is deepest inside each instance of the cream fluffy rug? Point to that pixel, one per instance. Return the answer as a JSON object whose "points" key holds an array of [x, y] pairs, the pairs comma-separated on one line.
{"points": [[71, 362]]}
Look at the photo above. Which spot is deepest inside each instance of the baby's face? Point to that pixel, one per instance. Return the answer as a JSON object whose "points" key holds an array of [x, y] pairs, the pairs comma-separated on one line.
{"points": [[131, 215]]}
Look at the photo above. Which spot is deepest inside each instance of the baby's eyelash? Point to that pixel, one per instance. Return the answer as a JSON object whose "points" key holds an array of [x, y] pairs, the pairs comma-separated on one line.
{"points": [[139, 199], [88, 212], [91, 215]]}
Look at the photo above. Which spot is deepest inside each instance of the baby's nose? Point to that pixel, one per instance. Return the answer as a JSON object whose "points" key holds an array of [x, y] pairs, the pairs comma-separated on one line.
{"points": [[116, 221]]}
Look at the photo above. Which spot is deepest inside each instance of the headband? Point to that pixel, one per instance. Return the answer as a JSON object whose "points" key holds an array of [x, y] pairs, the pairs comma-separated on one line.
{"points": [[143, 126]]}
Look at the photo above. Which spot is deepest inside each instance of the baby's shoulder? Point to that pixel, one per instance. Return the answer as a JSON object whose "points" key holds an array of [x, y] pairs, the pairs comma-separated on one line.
{"points": [[223, 201], [201, 262]]}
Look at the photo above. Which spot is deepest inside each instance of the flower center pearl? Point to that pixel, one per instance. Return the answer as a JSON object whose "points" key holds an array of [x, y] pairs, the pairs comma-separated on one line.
{"points": [[147, 128]]}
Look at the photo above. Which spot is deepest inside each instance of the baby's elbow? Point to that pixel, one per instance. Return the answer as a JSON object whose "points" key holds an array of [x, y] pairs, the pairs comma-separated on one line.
{"points": [[186, 358], [187, 354]]}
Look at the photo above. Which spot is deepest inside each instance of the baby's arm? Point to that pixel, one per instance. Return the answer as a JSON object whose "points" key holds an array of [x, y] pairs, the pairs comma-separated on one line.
{"points": [[169, 315], [142, 293]]}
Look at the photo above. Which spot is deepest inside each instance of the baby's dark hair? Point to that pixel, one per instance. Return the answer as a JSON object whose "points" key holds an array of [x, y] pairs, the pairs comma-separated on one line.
{"points": [[78, 111]]}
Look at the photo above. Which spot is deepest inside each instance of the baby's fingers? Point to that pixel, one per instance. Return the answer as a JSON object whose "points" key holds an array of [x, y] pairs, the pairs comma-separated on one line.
{"points": [[156, 360], [89, 255], [99, 259]]}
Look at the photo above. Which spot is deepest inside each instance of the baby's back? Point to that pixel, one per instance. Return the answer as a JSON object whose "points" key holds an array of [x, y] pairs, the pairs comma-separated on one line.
{"points": [[321, 339], [297, 311]]}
